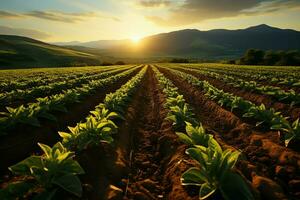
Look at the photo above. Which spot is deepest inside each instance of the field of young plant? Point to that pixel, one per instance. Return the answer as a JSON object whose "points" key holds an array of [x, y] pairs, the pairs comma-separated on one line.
{"points": [[159, 131]]}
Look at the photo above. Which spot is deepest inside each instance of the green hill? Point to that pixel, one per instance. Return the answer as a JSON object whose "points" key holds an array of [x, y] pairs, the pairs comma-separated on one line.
{"points": [[20, 52]]}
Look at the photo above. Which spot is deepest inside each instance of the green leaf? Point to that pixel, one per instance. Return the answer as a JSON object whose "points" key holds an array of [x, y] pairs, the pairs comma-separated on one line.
{"points": [[233, 186], [23, 167], [233, 159], [33, 121], [206, 190], [70, 183], [288, 137], [213, 144], [72, 167], [192, 176], [184, 138], [199, 155], [64, 135], [46, 149], [48, 116]]}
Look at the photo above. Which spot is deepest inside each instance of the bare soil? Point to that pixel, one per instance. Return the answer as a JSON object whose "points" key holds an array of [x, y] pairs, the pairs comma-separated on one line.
{"points": [[266, 163], [285, 109], [16, 146]]}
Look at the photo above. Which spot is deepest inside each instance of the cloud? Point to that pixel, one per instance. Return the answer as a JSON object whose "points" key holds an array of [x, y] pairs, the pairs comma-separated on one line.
{"points": [[5, 14], [58, 16], [154, 3], [194, 11], [5, 30], [273, 6]]}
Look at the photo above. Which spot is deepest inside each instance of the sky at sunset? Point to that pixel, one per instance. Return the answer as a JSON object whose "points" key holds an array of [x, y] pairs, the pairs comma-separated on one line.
{"points": [[87, 20]]}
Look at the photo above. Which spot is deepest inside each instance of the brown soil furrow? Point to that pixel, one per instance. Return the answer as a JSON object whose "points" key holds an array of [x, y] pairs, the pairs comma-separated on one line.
{"points": [[285, 109], [263, 156], [15, 147], [145, 169], [150, 150], [107, 165]]}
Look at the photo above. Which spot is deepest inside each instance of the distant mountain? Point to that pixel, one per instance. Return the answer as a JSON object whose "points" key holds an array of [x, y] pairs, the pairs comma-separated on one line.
{"points": [[99, 44], [17, 51], [212, 44], [221, 43]]}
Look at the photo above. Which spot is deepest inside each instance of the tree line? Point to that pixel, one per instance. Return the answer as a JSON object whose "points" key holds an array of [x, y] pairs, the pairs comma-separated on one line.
{"points": [[260, 57]]}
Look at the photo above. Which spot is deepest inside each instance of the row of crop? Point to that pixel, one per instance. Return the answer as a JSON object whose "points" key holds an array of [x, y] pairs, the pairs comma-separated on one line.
{"points": [[271, 71], [290, 96], [263, 116], [215, 166], [57, 169], [43, 107], [278, 78], [98, 126], [21, 79], [8, 98]]}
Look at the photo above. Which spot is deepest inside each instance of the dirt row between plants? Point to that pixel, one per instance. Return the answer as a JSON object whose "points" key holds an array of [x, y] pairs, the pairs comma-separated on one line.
{"points": [[294, 144], [22, 142], [146, 161], [272, 169], [153, 147], [285, 109]]}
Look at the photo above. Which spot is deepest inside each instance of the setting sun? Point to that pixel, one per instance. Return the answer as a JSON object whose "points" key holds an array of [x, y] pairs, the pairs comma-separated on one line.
{"points": [[135, 39]]}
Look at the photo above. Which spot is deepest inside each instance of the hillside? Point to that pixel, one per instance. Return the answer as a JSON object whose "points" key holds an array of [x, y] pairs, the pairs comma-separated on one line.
{"points": [[16, 51], [212, 44]]}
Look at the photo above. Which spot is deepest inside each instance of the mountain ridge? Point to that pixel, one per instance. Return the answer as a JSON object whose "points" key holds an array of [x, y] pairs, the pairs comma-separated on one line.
{"points": [[212, 44]]}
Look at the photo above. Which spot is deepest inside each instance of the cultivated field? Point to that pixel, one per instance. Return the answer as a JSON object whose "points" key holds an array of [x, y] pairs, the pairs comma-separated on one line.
{"points": [[159, 131]]}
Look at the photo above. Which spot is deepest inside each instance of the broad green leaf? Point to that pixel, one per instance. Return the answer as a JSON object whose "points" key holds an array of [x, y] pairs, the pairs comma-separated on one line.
{"points": [[23, 167], [70, 183], [233, 159], [206, 190], [199, 155], [72, 167], [184, 138], [233, 186], [192, 176], [212, 143]]}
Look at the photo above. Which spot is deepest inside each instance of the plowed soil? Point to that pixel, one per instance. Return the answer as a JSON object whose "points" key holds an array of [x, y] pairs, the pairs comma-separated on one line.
{"points": [[147, 159], [272, 168], [285, 109], [15, 147]]}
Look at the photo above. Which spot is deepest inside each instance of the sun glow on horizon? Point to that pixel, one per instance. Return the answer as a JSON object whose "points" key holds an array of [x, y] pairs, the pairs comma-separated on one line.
{"points": [[135, 39]]}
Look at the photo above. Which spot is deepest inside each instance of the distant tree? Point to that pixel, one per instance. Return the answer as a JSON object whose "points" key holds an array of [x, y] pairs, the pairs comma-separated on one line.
{"points": [[291, 58], [271, 58], [230, 62], [253, 57], [259, 57], [106, 64], [179, 60], [120, 63]]}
